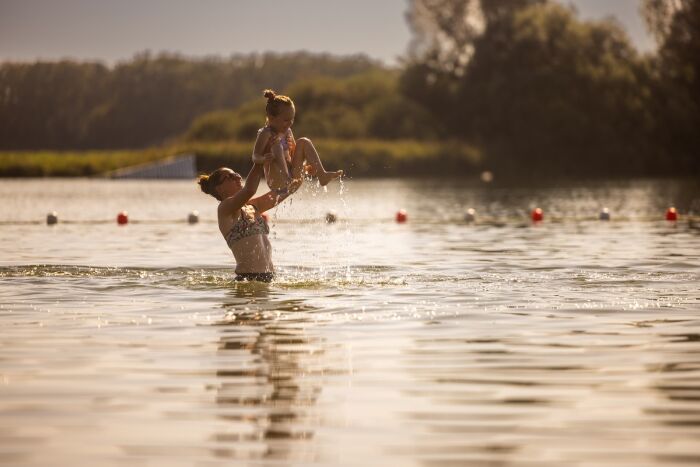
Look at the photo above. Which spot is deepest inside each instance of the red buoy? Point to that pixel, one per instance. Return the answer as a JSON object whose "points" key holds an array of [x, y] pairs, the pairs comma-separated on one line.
{"points": [[671, 214], [123, 218], [537, 215], [401, 216]]}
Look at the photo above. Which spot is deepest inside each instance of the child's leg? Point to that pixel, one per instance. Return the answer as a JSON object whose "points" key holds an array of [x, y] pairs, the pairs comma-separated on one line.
{"points": [[281, 161], [306, 151], [278, 174]]}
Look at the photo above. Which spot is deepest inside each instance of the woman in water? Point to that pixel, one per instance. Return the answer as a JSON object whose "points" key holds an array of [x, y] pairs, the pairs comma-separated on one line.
{"points": [[240, 219], [289, 155]]}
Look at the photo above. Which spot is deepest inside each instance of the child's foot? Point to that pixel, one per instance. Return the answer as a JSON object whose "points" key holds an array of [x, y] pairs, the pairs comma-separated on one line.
{"points": [[326, 177]]}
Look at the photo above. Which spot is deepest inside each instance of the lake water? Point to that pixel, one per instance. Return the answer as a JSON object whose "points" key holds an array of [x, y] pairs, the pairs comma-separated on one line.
{"points": [[431, 343]]}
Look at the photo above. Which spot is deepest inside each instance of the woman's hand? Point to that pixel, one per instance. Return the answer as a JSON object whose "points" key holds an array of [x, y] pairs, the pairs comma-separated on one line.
{"points": [[272, 198]]}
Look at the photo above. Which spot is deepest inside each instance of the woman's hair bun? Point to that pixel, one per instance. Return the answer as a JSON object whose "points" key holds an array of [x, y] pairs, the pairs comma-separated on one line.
{"points": [[269, 94], [203, 181]]}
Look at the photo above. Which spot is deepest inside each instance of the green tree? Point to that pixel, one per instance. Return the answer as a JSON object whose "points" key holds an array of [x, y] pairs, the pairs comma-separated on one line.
{"points": [[545, 92], [444, 31], [676, 26], [366, 105], [43, 105]]}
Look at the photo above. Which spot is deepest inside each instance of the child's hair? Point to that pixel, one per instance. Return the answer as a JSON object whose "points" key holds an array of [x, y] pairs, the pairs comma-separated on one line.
{"points": [[275, 102], [208, 183]]}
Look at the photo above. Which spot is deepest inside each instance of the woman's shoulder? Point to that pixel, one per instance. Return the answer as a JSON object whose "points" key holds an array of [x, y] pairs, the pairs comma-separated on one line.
{"points": [[224, 209]]}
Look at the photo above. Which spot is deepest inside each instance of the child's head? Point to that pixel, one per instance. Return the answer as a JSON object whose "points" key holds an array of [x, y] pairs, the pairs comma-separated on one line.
{"points": [[279, 109]]}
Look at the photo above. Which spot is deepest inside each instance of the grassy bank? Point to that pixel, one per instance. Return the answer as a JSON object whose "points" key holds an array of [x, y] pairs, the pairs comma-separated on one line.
{"points": [[71, 163], [359, 158]]}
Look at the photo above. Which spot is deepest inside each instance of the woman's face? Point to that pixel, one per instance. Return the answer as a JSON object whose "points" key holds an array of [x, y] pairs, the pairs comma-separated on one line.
{"points": [[229, 184], [283, 120]]}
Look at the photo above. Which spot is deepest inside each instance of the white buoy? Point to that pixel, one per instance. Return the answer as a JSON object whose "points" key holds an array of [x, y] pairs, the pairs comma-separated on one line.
{"points": [[470, 216], [604, 214], [331, 217], [487, 176], [52, 218], [193, 217]]}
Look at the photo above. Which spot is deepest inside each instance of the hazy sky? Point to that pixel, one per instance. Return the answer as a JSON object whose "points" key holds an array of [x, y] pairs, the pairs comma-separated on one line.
{"points": [[111, 30]]}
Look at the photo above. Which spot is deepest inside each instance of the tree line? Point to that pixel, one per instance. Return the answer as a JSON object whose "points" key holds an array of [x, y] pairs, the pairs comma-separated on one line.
{"points": [[144, 101], [535, 88]]}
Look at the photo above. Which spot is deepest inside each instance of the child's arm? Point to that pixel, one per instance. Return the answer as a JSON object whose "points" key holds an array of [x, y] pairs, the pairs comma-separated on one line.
{"points": [[260, 143], [231, 205], [272, 198]]}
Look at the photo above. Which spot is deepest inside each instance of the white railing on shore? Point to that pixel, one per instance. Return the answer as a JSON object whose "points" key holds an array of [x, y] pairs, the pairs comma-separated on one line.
{"points": [[182, 166]]}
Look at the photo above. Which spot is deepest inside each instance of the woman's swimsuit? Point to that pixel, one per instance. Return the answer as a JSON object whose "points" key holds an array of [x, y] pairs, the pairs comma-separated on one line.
{"points": [[255, 276], [242, 228]]}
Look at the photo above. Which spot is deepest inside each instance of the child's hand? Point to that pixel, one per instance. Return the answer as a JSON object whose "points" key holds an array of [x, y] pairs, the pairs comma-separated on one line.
{"points": [[269, 157]]}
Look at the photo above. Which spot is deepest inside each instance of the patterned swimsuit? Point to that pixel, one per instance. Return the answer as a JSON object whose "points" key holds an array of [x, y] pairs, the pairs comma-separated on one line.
{"points": [[248, 224]]}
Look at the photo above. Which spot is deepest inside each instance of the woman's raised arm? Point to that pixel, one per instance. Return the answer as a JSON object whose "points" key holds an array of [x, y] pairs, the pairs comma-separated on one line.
{"points": [[231, 205], [272, 198]]}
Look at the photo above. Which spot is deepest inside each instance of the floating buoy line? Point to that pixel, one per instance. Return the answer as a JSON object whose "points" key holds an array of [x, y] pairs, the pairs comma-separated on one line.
{"points": [[470, 216]]}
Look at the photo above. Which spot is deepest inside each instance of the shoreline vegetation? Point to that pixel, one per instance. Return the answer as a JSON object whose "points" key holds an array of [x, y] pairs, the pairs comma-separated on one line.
{"points": [[358, 158]]}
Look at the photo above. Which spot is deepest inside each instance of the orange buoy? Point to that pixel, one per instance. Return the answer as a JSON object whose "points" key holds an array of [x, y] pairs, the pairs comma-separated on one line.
{"points": [[537, 215], [401, 216], [123, 218], [671, 214]]}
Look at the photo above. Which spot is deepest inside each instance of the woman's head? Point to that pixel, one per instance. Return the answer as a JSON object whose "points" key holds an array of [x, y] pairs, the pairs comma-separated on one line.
{"points": [[279, 110], [221, 183]]}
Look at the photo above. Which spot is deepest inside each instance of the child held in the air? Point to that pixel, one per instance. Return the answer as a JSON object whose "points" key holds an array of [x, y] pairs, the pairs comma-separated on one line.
{"points": [[288, 154]]}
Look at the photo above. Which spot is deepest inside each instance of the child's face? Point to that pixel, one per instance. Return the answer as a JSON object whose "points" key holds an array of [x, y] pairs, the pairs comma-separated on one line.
{"points": [[283, 121]]}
